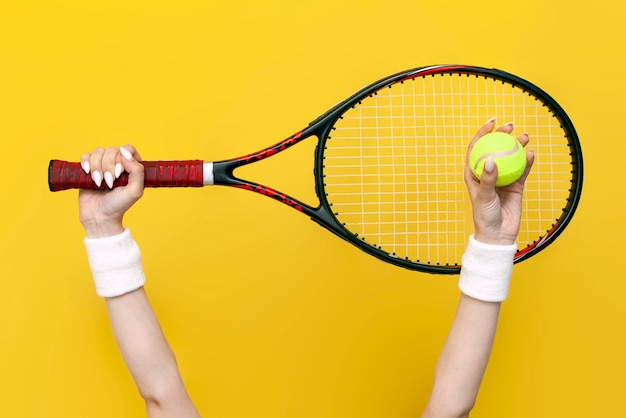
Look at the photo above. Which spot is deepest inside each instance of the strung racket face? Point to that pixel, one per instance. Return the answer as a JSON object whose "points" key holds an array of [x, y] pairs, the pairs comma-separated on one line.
{"points": [[393, 164]]}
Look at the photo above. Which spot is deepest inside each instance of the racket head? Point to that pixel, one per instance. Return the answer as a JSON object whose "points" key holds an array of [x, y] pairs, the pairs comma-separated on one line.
{"points": [[390, 163]]}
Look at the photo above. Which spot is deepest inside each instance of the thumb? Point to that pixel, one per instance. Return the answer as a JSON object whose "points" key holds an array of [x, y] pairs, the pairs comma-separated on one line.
{"points": [[488, 179], [132, 165]]}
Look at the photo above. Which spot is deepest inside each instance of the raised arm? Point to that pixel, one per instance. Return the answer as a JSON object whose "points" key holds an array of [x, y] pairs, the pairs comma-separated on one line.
{"points": [[484, 282], [115, 263]]}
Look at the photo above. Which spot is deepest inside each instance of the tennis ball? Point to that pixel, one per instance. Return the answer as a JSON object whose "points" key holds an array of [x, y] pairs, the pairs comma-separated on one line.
{"points": [[505, 150]]}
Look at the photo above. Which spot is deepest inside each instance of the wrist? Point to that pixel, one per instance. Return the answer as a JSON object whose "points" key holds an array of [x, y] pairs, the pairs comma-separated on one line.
{"points": [[493, 239], [102, 229], [494, 235]]}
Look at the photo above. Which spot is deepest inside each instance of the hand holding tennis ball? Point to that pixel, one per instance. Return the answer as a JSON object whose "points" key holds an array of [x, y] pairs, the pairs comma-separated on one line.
{"points": [[506, 152], [496, 210]]}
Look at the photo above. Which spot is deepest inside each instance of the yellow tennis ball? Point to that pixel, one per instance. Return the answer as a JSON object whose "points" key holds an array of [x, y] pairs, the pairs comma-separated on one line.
{"points": [[505, 150]]}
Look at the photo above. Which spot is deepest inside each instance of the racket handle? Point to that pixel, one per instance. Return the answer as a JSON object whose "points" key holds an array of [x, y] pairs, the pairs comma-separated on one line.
{"points": [[63, 175]]}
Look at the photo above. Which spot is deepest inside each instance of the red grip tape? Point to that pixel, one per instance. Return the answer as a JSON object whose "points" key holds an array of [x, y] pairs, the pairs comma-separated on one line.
{"points": [[63, 175]]}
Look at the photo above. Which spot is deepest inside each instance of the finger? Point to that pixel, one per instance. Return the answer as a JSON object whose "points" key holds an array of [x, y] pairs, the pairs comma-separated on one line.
{"points": [[530, 159], [482, 131], [489, 175], [486, 128], [132, 151], [524, 139], [507, 128], [108, 165], [84, 162], [119, 167], [484, 196], [131, 162], [95, 163]]}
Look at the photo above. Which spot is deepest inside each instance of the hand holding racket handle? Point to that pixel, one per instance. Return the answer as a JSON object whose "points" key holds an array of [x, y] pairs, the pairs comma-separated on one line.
{"points": [[63, 175]]}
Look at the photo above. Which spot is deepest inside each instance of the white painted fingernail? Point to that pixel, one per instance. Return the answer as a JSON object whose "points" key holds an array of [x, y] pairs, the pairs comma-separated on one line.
{"points": [[126, 154], [97, 178], [119, 168], [490, 120], [85, 166], [108, 179], [489, 165], [509, 123]]}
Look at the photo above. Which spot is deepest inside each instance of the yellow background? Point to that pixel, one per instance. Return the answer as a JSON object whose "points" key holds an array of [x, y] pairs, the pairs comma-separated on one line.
{"points": [[270, 315]]}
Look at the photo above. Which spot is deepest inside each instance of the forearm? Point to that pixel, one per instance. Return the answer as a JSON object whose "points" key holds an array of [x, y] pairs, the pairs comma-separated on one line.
{"points": [[141, 342], [148, 356], [464, 358]]}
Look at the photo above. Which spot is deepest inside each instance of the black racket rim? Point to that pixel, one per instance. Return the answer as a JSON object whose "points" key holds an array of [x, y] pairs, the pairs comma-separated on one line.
{"points": [[323, 125]]}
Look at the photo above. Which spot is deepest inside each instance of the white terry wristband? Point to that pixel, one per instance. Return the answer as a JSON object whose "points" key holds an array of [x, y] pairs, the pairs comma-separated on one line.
{"points": [[486, 270], [115, 264]]}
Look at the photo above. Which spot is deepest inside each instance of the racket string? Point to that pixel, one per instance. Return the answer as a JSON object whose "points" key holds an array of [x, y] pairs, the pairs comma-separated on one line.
{"points": [[394, 165]]}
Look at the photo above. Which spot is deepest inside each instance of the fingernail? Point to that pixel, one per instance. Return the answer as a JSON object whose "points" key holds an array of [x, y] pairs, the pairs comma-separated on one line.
{"points": [[489, 165], [108, 179], [97, 178], [126, 154], [85, 166], [509, 123], [119, 168], [490, 120]]}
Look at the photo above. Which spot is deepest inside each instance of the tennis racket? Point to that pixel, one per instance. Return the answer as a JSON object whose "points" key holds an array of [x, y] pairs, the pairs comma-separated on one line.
{"points": [[389, 165]]}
